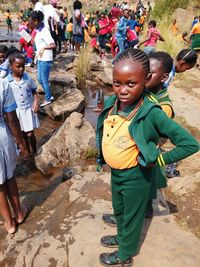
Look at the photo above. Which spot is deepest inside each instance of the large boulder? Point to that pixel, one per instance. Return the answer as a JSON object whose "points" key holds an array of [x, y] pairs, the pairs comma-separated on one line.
{"points": [[61, 83], [72, 100], [68, 144], [183, 18]]}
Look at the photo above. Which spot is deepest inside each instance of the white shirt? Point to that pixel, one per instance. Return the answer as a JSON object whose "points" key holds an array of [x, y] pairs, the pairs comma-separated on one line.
{"points": [[39, 7], [49, 11], [42, 39]]}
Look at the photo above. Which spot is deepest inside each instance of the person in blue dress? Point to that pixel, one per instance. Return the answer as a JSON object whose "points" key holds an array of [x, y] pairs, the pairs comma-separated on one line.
{"points": [[8, 186]]}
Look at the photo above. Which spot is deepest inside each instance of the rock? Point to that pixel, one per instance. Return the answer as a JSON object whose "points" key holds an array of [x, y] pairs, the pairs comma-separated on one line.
{"points": [[91, 83], [33, 73], [182, 185], [60, 84], [68, 144], [106, 76], [69, 66], [70, 101], [95, 65], [183, 18], [62, 60]]}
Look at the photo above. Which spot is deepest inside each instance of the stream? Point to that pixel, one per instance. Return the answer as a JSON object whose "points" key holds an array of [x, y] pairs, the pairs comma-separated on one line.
{"points": [[29, 178]]}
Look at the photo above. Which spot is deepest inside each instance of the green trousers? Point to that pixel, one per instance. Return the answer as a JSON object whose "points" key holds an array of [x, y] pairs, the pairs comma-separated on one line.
{"points": [[130, 193], [158, 181]]}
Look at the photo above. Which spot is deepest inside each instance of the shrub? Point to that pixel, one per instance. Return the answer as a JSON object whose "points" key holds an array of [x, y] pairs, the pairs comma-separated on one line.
{"points": [[83, 65]]}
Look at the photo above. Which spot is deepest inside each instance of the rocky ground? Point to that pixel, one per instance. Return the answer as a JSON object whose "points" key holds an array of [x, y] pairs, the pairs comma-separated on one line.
{"points": [[64, 226]]}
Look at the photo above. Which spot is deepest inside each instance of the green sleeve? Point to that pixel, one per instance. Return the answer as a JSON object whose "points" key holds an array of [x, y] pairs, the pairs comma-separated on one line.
{"points": [[185, 144]]}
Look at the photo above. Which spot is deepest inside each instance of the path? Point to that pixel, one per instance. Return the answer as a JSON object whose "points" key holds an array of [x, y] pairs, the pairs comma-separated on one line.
{"points": [[65, 231]]}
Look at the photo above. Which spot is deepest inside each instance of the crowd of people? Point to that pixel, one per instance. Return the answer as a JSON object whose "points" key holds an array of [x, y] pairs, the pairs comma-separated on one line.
{"points": [[132, 123]]}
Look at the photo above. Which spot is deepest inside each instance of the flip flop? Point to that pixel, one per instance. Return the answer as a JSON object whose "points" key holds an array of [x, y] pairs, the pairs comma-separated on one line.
{"points": [[21, 220], [12, 229]]}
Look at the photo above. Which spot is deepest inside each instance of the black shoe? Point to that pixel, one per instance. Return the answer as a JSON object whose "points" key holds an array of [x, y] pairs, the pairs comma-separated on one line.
{"points": [[112, 260], [109, 241], [149, 210], [171, 171], [109, 219]]}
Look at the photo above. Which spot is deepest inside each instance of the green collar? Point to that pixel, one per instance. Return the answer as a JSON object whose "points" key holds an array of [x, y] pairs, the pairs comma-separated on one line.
{"points": [[149, 103], [126, 111]]}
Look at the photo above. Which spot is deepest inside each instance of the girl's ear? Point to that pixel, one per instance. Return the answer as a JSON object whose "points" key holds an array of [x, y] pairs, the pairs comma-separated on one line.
{"points": [[148, 77], [165, 77]]}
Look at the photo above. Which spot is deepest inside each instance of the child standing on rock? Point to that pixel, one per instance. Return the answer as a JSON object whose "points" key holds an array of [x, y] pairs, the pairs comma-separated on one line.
{"points": [[8, 185], [24, 91], [9, 21], [128, 131]]}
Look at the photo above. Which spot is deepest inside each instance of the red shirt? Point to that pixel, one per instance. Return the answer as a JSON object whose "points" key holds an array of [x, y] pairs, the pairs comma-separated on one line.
{"points": [[28, 48], [153, 35], [115, 12], [102, 24], [131, 35]]}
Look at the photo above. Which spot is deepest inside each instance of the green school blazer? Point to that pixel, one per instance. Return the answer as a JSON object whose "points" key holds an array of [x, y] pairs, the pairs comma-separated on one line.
{"points": [[146, 128]]}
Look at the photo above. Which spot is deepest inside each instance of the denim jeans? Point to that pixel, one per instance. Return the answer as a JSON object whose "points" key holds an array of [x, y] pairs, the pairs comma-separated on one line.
{"points": [[120, 42], [44, 68], [149, 49]]}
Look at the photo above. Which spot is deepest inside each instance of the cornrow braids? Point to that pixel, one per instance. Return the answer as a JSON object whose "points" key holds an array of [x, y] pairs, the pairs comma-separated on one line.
{"points": [[164, 58], [135, 55], [188, 55]]}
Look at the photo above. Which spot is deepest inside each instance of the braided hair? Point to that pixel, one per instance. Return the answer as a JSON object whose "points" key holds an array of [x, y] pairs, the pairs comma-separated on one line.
{"points": [[165, 59], [188, 55], [135, 55]]}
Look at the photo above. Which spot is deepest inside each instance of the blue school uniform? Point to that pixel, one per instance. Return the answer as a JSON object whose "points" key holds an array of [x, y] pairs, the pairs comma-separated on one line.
{"points": [[23, 91], [171, 77], [7, 145], [4, 69]]}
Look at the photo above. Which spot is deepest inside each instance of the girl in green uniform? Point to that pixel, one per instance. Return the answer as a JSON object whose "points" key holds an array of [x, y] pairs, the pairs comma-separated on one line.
{"points": [[128, 130]]}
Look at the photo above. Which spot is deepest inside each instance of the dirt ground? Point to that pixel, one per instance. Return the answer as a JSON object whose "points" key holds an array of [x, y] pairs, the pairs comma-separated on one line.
{"points": [[185, 94]]}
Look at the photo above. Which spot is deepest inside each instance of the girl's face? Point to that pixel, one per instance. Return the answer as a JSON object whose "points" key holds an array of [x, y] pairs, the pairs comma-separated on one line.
{"points": [[158, 76], [18, 66], [182, 66], [129, 80], [2, 57], [33, 23]]}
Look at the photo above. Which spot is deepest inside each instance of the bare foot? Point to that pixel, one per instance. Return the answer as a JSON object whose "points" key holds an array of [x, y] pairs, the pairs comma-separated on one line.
{"points": [[21, 215], [10, 228]]}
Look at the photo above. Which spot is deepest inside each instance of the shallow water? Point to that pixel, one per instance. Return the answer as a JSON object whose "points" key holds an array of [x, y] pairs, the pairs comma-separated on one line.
{"points": [[29, 178], [95, 98], [9, 39]]}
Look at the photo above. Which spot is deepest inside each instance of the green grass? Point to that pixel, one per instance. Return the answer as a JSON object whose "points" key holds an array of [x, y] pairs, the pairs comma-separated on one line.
{"points": [[166, 7], [171, 45], [91, 153], [83, 65]]}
